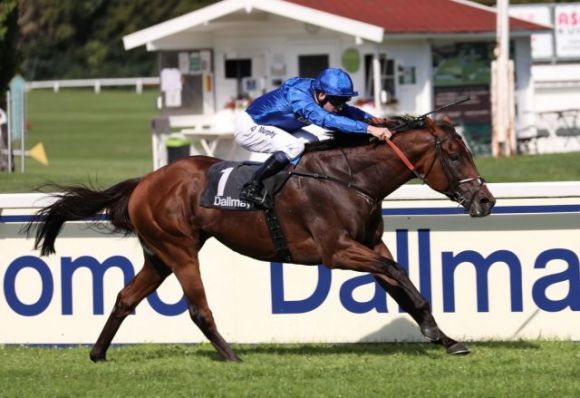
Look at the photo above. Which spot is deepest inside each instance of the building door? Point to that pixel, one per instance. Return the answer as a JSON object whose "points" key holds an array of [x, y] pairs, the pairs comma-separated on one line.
{"points": [[186, 82], [388, 76]]}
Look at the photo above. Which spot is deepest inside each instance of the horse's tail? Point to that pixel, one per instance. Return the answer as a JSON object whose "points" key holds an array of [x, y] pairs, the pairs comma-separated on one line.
{"points": [[78, 203]]}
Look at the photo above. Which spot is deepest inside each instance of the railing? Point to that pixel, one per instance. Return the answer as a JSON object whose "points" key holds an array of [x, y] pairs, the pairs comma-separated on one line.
{"points": [[56, 85], [414, 193]]}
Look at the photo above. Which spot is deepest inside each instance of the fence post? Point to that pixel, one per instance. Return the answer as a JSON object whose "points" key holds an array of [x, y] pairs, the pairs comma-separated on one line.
{"points": [[139, 86], [97, 86], [9, 130]]}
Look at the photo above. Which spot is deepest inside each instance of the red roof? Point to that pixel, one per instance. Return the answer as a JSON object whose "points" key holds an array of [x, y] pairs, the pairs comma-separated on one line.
{"points": [[417, 16]]}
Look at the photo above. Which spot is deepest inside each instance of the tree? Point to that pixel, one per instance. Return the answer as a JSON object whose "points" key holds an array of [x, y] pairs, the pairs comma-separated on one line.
{"points": [[8, 50], [83, 38]]}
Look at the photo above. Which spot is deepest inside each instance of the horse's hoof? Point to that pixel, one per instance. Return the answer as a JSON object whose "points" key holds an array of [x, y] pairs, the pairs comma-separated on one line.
{"points": [[458, 349], [233, 358], [97, 358], [431, 333]]}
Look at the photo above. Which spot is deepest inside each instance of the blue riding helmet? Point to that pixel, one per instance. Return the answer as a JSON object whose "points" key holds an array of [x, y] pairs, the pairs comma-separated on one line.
{"points": [[335, 82]]}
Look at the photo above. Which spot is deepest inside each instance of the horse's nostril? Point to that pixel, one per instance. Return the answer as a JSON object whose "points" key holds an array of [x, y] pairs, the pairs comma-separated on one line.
{"points": [[484, 200]]}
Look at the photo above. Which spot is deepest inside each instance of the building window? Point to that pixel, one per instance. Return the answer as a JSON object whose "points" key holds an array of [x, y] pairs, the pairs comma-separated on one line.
{"points": [[312, 65], [238, 69], [388, 76]]}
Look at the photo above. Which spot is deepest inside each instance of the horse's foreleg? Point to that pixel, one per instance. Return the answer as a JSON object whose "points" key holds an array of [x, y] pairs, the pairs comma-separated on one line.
{"points": [[407, 297], [422, 315], [145, 282], [190, 279], [394, 279]]}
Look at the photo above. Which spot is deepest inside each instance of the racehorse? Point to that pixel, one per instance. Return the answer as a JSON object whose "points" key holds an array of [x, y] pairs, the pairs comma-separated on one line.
{"points": [[329, 211]]}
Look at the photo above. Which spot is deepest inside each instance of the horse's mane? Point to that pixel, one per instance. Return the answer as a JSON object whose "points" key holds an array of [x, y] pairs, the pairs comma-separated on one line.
{"points": [[398, 124], [339, 140]]}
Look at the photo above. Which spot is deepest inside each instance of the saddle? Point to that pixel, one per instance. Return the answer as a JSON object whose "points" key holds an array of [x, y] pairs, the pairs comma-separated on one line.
{"points": [[226, 179]]}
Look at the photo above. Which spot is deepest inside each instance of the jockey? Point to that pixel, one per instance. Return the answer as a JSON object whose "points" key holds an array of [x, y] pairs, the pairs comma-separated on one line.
{"points": [[273, 122]]}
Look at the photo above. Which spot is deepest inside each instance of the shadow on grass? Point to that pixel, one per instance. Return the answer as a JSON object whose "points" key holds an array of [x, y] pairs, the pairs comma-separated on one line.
{"points": [[338, 349], [205, 350], [507, 345], [283, 350]]}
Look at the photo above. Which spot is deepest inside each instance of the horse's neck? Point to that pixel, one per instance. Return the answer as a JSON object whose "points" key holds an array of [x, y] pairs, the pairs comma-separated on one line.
{"points": [[373, 168]]}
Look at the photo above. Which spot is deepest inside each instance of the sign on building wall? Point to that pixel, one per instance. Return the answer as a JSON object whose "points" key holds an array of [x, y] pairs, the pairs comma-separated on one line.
{"points": [[567, 30], [564, 42]]}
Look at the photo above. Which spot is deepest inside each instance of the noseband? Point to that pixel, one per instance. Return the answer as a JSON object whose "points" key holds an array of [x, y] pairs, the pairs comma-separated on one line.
{"points": [[454, 193]]}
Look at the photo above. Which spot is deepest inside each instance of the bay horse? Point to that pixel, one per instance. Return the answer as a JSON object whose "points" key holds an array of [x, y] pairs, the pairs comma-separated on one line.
{"points": [[329, 211]]}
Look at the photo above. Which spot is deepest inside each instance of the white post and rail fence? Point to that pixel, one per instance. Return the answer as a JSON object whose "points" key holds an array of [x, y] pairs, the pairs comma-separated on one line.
{"points": [[97, 84]]}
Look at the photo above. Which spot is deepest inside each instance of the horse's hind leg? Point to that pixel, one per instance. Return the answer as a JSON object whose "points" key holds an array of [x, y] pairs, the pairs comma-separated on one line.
{"points": [[146, 281], [399, 289], [190, 279]]}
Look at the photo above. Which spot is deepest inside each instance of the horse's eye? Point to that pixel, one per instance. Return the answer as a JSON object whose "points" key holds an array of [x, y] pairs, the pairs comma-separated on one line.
{"points": [[454, 156]]}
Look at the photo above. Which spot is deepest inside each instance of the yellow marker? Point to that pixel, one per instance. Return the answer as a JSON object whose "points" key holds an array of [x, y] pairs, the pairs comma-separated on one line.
{"points": [[38, 153]]}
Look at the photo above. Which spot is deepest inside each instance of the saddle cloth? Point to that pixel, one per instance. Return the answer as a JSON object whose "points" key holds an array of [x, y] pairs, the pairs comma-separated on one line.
{"points": [[226, 179]]}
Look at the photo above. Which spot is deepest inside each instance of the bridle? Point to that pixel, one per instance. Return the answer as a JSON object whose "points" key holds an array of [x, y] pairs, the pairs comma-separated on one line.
{"points": [[453, 193]]}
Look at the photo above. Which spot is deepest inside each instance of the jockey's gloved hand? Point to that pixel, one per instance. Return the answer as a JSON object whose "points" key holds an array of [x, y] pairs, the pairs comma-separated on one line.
{"points": [[382, 133]]}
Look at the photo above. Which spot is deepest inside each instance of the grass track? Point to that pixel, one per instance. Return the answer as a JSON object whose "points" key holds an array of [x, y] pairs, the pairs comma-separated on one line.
{"points": [[101, 138], [515, 369]]}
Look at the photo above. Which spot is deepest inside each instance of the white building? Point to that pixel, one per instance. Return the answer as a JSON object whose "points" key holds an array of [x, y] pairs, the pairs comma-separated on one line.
{"points": [[556, 76], [405, 56]]}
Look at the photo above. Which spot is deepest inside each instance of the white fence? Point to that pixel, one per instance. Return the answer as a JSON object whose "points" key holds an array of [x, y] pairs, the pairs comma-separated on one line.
{"points": [[413, 193], [97, 84]]}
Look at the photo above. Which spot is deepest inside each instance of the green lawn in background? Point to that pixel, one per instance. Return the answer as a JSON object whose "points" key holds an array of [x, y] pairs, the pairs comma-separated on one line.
{"points": [[522, 168], [102, 137], [105, 138]]}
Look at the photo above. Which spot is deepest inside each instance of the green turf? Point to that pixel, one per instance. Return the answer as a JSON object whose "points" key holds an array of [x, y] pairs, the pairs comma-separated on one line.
{"points": [[106, 138], [550, 167], [515, 369]]}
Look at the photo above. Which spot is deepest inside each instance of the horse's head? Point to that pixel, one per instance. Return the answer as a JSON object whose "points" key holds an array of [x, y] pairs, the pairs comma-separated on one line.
{"points": [[448, 167]]}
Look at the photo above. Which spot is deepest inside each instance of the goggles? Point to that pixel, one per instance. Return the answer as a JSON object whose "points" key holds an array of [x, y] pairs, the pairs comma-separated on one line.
{"points": [[337, 102]]}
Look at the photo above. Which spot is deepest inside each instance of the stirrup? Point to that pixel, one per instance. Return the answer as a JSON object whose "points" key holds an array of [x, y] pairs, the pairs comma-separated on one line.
{"points": [[253, 193]]}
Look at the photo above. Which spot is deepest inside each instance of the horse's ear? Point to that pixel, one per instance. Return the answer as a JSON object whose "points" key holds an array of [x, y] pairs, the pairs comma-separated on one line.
{"points": [[430, 124], [447, 120]]}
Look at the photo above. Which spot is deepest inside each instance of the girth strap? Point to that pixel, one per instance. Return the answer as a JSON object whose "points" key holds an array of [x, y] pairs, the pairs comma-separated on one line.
{"points": [[277, 235], [317, 176]]}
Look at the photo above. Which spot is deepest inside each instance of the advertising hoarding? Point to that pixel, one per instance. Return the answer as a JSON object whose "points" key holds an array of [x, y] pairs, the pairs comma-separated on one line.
{"points": [[513, 275]]}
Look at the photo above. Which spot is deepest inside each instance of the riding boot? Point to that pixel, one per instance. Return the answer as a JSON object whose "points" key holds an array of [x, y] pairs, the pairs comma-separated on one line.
{"points": [[252, 191]]}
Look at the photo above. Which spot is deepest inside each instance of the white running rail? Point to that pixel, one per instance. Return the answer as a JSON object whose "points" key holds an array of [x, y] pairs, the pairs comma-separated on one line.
{"points": [[97, 84]]}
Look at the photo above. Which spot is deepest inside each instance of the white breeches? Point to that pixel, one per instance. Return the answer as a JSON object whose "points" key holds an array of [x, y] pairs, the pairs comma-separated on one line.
{"points": [[266, 139]]}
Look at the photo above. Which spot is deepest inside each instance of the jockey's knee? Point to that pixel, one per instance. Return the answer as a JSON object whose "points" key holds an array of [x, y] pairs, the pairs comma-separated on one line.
{"points": [[282, 157], [295, 149]]}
